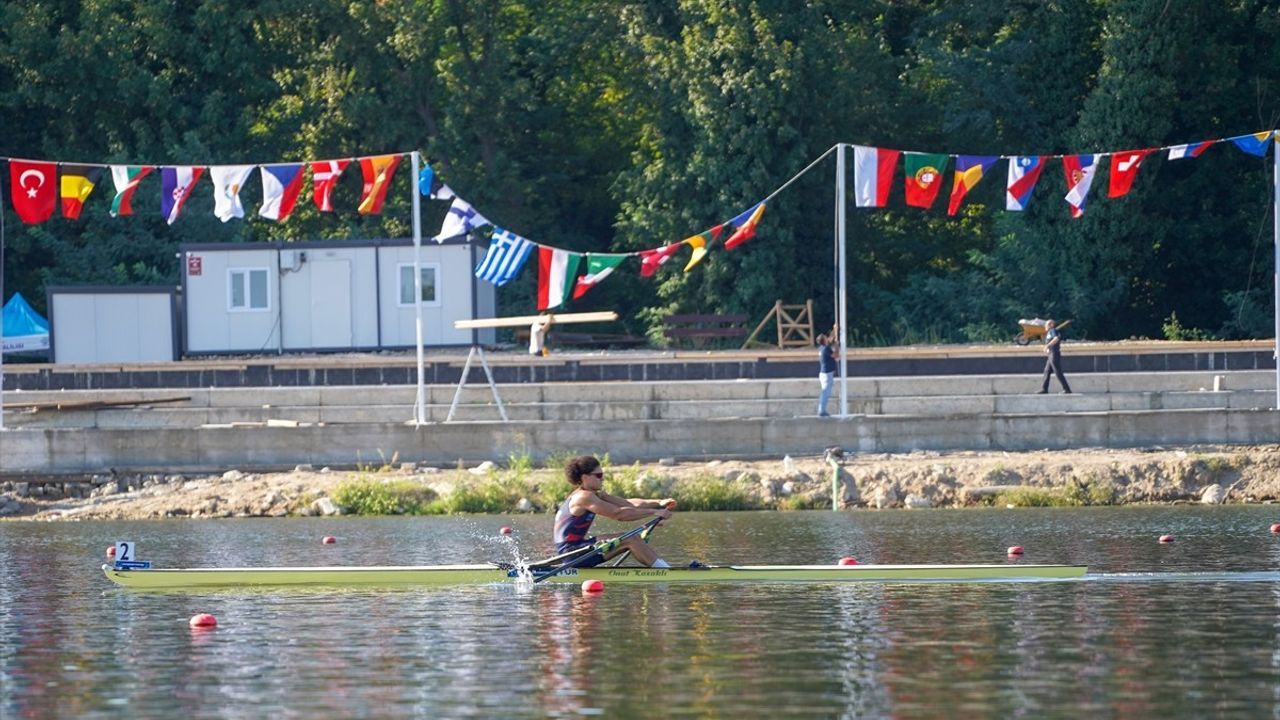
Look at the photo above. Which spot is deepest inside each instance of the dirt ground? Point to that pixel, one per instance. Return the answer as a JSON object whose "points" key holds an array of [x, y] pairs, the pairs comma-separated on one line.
{"points": [[922, 479]]}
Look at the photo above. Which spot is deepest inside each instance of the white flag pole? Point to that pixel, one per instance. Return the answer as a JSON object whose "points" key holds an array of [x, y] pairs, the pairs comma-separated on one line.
{"points": [[420, 404], [1275, 230], [842, 291], [1, 313]]}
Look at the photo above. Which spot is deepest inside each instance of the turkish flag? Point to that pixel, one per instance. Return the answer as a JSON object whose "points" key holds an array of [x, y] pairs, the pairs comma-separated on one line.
{"points": [[35, 190]]}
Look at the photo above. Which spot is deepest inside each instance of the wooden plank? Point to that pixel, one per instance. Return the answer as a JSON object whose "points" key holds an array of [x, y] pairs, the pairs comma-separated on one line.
{"points": [[526, 320]]}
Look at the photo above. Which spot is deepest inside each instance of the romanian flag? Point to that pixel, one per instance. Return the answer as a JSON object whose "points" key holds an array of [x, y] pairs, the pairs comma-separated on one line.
{"points": [[924, 177], [1255, 144], [699, 244], [126, 179], [76, 184], [377, 178], [969, 172], [746, 227]]}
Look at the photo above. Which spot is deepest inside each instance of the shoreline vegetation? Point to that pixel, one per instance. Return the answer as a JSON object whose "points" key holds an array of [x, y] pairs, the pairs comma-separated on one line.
{"points": [[519, 484]]}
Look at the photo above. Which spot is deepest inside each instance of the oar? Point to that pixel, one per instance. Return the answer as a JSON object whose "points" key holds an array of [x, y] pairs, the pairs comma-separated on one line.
{"points": [[623, 555], [600, 547]]}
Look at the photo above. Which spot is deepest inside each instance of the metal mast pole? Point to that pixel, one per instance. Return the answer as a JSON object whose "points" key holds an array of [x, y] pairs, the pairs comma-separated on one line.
{"points": [[841, 279], [1, 305], [420, 404], [1275, 230]]}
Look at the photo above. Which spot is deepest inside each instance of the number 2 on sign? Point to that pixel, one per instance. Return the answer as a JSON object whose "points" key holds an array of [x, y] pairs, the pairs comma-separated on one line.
{"points": [[126, 551]]}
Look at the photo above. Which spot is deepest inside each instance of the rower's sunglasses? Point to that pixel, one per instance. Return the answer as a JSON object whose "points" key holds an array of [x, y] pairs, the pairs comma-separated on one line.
{"points": [[597, 473]]}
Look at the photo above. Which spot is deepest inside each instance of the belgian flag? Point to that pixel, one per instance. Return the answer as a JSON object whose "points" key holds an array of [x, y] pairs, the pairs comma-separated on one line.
{"points": [[77, 182]]}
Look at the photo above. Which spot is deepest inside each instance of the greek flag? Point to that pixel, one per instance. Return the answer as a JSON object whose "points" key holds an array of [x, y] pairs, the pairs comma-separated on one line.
{"points": [[507, 253]]}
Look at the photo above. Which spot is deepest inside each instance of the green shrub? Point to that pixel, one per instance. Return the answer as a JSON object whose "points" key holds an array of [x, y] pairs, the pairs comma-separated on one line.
{"points": [[367, 496], [487, 496], [709, 493]]}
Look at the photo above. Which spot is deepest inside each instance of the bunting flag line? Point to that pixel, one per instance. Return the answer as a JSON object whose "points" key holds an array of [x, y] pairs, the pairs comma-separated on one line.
{"points": [[1080, 170], [378, 172], [126, 179], [1190, 150], [700, 244], [599, 267], [281, 187], [506, 255], [968, 173], [1255, 144], [176, 184], [557, 271], [227, 181], [33, 189], [873, 175], [924, 177], [460, 220], [1124, 168], [651, 259], [324, 176], [431, 186], [76, 184], [746, 226], [1024, 173]]}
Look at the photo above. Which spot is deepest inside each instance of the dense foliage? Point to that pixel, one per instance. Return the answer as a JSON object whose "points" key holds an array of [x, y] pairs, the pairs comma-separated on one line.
{"points": [[625, 125]]}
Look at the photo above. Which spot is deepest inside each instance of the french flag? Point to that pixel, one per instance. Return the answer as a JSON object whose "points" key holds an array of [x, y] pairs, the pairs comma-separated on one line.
{"points": [[1190, 150], [281, 186]]}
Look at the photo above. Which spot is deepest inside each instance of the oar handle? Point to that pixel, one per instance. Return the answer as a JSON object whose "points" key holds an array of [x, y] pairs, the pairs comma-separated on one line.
{"points": [[600, 547]]}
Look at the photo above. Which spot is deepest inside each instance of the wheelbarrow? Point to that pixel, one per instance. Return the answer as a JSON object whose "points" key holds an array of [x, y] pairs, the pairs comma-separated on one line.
{"points": [[1034, 329]]}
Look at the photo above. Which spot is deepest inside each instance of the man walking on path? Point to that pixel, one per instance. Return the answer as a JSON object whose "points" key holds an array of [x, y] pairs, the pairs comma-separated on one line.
{"points": [[1053, 363]]}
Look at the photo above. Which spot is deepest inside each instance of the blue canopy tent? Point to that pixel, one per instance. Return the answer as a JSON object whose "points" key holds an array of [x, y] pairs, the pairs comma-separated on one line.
{"points": [[24, 329]]}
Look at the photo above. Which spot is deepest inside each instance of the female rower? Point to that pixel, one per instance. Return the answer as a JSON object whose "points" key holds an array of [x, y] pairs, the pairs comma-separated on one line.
{"points": [[588, 499]]}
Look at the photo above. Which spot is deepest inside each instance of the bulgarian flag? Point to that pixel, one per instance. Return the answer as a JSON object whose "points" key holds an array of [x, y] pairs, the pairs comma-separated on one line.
{"points": [[598, 268], [556, 273], [126, 179]]}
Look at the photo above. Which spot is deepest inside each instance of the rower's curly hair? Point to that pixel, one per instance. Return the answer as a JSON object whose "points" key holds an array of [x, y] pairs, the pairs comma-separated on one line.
{"points": [[579, 466]]}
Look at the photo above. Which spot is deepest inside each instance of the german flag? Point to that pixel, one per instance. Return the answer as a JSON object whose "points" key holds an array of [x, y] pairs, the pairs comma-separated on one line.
{"points": [[77, 183]]}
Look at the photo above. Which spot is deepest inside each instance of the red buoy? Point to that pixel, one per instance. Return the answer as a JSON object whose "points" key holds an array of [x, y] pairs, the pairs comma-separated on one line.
{"points": [[203, 620], [329, 540], [111, 551], [1275, 528], [1166, 539], [1015, 550], [506, 530], [848, 561], [592, 586]]}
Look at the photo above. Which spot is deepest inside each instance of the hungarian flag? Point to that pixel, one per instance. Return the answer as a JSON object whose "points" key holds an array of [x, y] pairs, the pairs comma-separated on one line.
{"points": [[746, 226], [1190, 150], [557, 271], [598, 268], [873, 175], [377, 178], [969, 172], [1080, 170], [1255, 144], [35, 191], [1024, 173], [76, 184], [1124, 168], [651, 259], [176, 184], [324, 176], [227, 181], [429, 184], [281, 186], [126, 179], [924, 177], [699, 243]]}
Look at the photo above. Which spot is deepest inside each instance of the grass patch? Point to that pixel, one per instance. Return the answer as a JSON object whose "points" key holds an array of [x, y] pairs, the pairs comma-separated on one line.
{"points": [[710, 493], [367, 496], [493, 495], [1075, 495]]}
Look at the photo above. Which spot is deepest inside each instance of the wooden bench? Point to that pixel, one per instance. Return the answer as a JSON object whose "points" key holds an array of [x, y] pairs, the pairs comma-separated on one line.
{"points": [[699, 328], [556, 338]]}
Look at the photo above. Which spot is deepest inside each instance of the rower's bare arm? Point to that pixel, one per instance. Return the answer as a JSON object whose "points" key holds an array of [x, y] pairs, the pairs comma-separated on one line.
{"points": [[621, 512], [639, 502]]}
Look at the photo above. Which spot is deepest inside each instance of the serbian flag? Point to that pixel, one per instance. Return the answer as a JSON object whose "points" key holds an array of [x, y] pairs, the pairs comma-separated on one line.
{"points": [[1024, 173], [176, 184], [1255, 144], [76, 184], [969, 172], [924, 177], [126, 179], [873, 175], [699, 243], [651, 259], [746, 226], [377, 178], [599, 267], [1080, 170], [281, 186], [1190, 150], [227, 181], [324, 176], [429, 184], [1124, 168], [35, 190], [557, 272]]}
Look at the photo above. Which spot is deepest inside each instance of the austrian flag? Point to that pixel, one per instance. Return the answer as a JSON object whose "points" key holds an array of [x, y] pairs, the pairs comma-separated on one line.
{"points": [[557, 271]]}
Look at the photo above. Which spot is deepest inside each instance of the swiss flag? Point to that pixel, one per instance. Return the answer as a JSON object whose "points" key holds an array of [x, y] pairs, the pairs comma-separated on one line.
{"points": [[1124, 168], [35, 190]]}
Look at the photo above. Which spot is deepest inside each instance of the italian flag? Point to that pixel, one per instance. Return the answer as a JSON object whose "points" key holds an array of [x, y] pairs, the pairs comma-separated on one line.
{"points": [[556, 274]]}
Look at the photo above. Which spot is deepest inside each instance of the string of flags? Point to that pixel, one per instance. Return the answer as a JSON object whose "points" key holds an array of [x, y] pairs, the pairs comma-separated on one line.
{"points": [[562, 274]]}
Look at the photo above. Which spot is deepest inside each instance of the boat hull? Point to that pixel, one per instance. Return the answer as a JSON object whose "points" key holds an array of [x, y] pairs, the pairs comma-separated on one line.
{"points": [[437, 575]]}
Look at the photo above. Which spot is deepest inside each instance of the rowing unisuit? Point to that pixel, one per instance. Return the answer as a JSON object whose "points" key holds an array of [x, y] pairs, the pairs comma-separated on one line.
{"points": [[570, 530]]}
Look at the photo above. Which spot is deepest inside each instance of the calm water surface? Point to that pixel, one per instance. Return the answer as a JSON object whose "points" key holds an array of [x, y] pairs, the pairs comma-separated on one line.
{"points": [[1188, 630]]}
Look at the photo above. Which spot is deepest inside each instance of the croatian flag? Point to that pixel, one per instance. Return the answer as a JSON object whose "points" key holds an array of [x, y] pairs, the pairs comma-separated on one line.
{"points": [[1024, 173], [1080, 170], [1190, 150], [176, 184], [281, 186], [507, 253], [873, 175]]}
